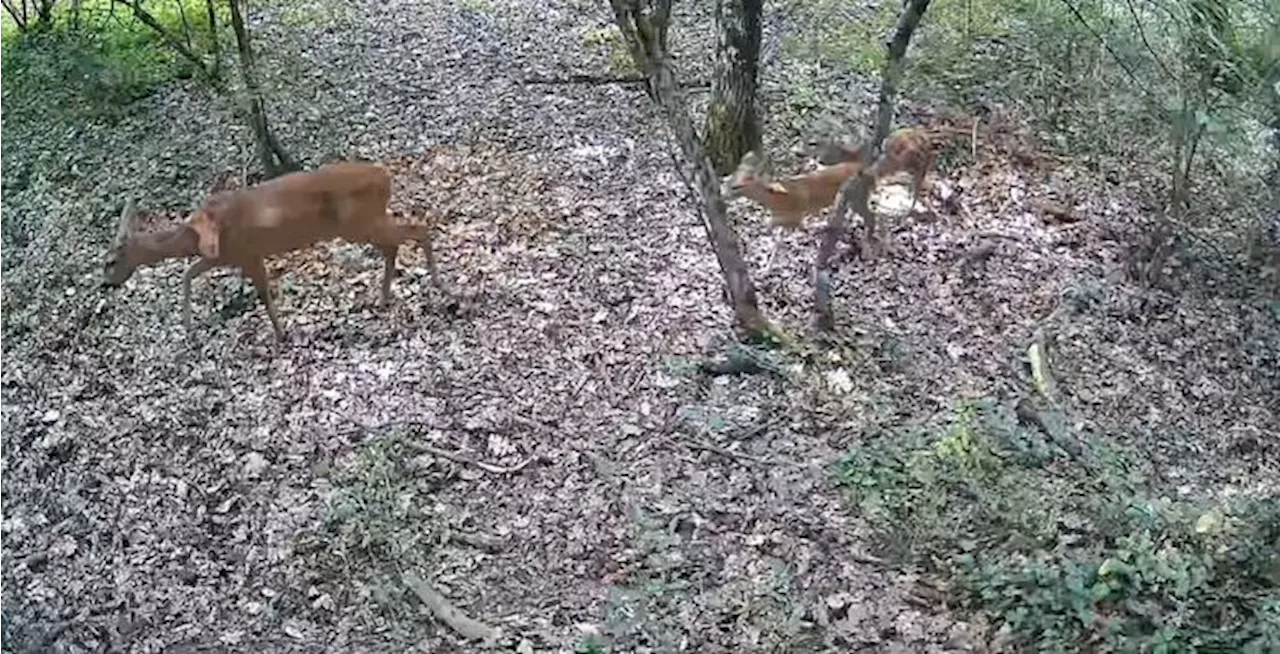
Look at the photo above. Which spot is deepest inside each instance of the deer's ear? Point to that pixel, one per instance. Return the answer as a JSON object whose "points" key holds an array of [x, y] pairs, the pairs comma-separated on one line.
{"points": [[206, 229], [775, 187]]}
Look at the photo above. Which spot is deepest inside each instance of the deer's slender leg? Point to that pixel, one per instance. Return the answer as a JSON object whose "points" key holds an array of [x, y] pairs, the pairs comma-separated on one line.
{"points": [[257, 272], [424, 235], [389, 253], [917, 181], [198, 268]]}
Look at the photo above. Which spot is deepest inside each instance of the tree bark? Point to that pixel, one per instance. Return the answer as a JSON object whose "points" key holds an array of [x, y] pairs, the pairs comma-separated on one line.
{"points": [[215, 46], [275, 159], [733, 124], [644, 27], [857, 190], [44, 12]]}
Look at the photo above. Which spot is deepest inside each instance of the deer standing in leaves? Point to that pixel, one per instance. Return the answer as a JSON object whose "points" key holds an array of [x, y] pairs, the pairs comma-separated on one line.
{"points": [[240, 228], [791, 199], [910, 149]]}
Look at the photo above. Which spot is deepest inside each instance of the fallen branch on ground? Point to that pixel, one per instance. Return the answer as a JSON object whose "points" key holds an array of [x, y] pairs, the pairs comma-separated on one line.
{"points": [[435, 451], [601, 80], [490, 544], [699, 444], [448, 613], [464, 459], [741, 360]]}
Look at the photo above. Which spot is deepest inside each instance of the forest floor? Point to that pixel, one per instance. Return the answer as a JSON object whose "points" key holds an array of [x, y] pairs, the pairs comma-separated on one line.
{"points": [[212, 492]]}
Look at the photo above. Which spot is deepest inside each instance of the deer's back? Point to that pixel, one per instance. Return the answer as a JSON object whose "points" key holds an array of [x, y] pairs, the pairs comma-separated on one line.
{"points": [[342, 200]]}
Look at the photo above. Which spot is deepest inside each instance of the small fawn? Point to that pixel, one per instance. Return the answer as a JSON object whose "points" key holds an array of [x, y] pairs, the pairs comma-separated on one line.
{"points": [[240, 228], [791, 199]]}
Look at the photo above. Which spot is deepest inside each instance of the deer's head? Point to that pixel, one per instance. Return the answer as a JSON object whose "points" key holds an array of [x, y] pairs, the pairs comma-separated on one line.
{"points": [[747, 174], [197, 236], [122, 259]]}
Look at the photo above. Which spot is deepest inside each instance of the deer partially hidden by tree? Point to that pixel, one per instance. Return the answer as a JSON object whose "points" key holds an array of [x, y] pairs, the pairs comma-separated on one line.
{"points": [[790, 200], [241, 228], [908, 149]]}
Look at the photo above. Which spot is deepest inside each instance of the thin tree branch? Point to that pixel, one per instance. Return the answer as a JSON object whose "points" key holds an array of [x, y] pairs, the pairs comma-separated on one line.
{"points": [[20, 21], [150, 21], [186, 26], [1133, 11], [1114, 55]]}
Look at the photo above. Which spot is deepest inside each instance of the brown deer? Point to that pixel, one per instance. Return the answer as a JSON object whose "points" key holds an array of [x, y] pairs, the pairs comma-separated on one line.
{"points": [[791, 199], [909, 149], [241, 228]]}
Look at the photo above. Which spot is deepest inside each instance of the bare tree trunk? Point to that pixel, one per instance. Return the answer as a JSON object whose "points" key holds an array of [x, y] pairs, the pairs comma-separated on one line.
{"points": [[733, 124], [215, 46], [275, 159], [857, 190], [44, 12], [644, 26]]}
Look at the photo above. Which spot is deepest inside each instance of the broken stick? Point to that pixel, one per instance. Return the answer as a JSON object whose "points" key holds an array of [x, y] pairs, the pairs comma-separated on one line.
{"points": [[447, 612]]}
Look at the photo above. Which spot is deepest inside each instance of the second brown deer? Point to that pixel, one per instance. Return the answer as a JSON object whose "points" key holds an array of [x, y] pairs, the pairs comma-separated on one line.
{"points": [[789, 200], [912, 150], [240, 228], [908, 149]]}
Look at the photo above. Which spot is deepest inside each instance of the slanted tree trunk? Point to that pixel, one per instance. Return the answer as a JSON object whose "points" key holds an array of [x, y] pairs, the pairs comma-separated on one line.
{"points": [[275, 159], [215, 47], [644, 27], [733, 124], [856, 191], [18, 13]]}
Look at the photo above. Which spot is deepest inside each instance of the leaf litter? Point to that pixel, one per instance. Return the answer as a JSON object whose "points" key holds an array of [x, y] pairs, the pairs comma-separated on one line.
{"points": [[166, 492]]}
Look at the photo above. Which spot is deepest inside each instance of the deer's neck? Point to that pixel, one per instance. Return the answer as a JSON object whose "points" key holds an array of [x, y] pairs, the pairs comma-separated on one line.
{"points": [[759, 192], [178, 241]]}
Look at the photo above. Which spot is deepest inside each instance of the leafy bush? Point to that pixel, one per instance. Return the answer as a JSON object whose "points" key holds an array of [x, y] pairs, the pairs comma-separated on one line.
{"points": [[1068, 551], [102, 59]]}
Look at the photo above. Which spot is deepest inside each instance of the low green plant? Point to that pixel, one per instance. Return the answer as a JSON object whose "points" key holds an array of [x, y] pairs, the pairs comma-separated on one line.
{"points": [[374, 514], [483, 7], [1068, 551], [610, 38], [103, 59], [590, 645]]}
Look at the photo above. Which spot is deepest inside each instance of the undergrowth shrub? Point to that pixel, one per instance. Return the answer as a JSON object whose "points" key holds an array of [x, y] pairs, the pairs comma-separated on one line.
{"points": [[101, 61], [378, 521], [1069, 552]]}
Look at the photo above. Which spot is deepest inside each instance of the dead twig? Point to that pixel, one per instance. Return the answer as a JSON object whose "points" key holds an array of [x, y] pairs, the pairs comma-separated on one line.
{"points": [[699, 444], [447, 613], [435, 451], [490, 544], [859, 557], [466, 460], [601, 80]]}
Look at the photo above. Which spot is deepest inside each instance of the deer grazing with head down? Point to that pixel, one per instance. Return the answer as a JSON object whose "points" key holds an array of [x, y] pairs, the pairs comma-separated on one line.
{"points": [[240, 228]]}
